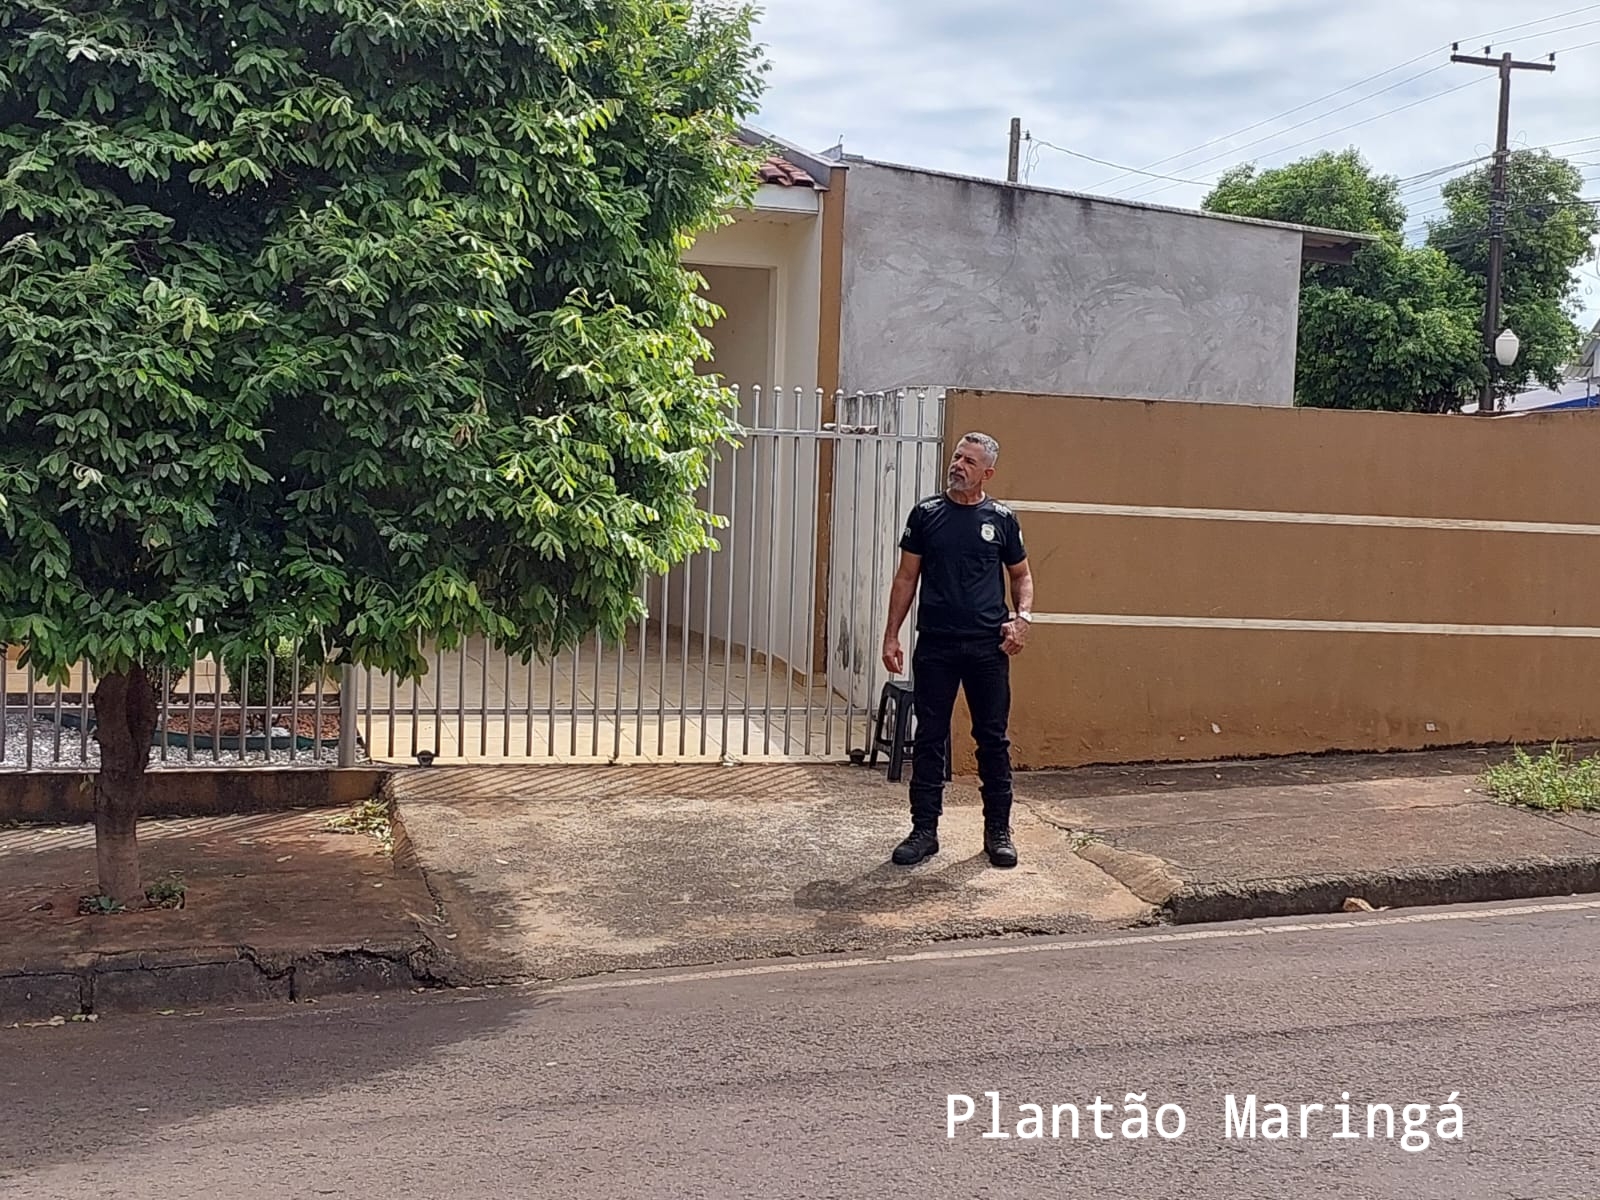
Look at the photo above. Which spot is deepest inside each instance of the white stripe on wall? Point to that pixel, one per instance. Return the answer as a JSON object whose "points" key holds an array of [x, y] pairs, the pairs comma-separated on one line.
{"points": [[1266, 516], [1272, 623]]}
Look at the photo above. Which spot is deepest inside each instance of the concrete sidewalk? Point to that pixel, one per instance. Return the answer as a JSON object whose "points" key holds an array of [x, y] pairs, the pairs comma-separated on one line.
{"points": [[549, 873], [555, 872], [276, 907], [1294, 836], [507, 874]]}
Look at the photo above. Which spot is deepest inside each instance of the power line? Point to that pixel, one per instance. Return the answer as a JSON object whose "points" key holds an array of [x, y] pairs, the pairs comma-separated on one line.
{"points": [[1572, 142], [1379, 116], [1420, 193], [1370, 96], [1422, 179], [1425, 176], [1544, 33], [1233, 150], [1476, 235], [1583, 176], [1418, 184], [1353, 125], [1309, 141], [1114, 166], [1415, 220], [1268, 121], [1347, 88]]}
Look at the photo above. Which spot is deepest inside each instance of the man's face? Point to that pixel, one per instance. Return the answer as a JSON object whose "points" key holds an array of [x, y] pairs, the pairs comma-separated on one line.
{"points": [[969, 468]]}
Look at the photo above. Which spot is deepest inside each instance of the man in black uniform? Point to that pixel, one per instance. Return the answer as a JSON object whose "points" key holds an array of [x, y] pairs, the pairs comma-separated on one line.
{"points": [[963, 546]]}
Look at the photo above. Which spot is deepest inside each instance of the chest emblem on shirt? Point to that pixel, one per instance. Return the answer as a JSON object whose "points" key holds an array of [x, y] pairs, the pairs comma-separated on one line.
{"points": [[988, 531]]}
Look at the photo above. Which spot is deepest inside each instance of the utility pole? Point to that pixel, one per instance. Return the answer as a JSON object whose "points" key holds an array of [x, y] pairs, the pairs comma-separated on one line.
{"points": [[1014, 162], [1497, 203]]}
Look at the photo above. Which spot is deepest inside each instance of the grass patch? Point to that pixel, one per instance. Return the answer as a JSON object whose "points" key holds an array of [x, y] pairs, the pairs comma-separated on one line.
{"points": [[371, 817], [1551, 782], [167, 892]]}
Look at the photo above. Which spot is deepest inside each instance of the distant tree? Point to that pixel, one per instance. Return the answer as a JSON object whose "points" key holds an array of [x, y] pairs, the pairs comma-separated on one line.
{"points": [[348, 324], [1397, 328], [1333, 191], [1550, 232]]}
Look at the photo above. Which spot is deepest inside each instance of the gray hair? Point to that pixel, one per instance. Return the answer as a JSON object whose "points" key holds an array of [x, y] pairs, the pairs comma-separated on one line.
{"points": [[990, 446]]}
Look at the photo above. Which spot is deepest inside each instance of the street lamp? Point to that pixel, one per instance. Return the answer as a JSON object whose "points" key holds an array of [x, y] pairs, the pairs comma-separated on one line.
{"points": [[1506, 348]]}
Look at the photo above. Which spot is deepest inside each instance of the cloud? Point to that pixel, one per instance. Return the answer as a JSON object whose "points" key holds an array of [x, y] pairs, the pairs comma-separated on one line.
{"points": [[1148, 83]]}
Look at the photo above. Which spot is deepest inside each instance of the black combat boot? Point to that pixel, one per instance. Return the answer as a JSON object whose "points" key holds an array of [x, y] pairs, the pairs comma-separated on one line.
{"points": [[922, 842], [999, 846]]}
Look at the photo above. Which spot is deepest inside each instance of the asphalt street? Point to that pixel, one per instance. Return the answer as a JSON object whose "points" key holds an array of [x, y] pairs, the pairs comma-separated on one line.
{"points": [[835, 1078]]}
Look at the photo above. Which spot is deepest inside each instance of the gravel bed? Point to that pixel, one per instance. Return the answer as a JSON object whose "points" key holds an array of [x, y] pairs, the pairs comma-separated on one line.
{"points": [[72, 753]]}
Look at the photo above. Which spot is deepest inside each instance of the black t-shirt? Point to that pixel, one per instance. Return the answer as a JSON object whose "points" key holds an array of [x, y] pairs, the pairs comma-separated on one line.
{"points": [[965, 549]]}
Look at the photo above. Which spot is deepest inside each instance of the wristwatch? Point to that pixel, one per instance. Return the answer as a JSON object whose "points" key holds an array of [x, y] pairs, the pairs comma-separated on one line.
{"points": [[1024, 616]]}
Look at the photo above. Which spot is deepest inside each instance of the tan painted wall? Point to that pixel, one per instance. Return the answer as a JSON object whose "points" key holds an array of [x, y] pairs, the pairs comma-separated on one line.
{"points": [[1114, 673]]}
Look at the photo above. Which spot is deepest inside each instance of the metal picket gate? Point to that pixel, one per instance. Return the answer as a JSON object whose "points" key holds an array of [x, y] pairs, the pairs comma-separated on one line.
{"points": [[766, 647]]}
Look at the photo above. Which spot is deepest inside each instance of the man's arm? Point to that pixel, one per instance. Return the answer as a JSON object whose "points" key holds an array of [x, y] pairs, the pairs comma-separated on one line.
{"points": [[901, 590], [1021, 587], [1016, 632]]}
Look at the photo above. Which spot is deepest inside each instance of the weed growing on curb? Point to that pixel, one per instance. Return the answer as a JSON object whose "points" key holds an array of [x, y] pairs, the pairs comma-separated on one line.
{"points": [[372, 817], [1551, 782]]}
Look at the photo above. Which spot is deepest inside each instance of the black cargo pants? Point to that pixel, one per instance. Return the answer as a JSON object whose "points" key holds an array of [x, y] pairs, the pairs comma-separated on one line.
{"points": [[940, 666]]}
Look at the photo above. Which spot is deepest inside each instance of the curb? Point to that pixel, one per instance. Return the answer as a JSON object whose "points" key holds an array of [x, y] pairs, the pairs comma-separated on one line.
{"points": [[1421, 887], [146, 982], [57, 796]]}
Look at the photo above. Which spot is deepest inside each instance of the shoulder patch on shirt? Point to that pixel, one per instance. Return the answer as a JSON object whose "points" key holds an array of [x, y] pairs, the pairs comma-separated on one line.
{"points": [[1001, 509], [930, 504]]}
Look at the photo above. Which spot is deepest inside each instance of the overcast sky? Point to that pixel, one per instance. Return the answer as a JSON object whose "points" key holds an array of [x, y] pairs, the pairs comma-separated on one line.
{"points": [[1180, 88]]}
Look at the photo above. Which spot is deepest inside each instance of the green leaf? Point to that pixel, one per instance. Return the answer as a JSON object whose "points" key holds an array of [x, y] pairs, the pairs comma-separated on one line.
{"points": [[1401, 327], [354, 324]]}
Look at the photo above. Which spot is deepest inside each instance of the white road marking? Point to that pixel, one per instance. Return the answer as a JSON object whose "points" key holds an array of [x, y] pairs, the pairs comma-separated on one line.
{"points": [[1288, 517], [345, 1005], [1052, 947]]}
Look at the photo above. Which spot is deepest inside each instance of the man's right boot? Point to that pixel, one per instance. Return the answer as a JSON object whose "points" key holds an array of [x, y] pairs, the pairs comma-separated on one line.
{"points": [[922, 842]]}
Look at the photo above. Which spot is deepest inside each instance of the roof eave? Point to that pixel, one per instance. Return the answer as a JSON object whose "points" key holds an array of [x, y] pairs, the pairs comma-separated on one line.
{"points": [[1320, 244], [1339, 249], [813, 165]]}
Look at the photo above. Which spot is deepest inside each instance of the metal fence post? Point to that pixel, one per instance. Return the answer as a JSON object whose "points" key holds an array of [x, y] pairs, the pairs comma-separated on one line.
{"points": [[347, 716]]}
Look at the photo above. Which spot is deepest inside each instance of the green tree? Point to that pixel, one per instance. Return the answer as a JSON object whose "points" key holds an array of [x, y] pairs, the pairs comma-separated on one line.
{"points": [[348, 323], [1395, 329], [1330, 190], [1549, 233]]}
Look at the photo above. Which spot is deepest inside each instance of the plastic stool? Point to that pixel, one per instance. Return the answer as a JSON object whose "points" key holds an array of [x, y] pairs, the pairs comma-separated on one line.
{"points": [[899, 695]]}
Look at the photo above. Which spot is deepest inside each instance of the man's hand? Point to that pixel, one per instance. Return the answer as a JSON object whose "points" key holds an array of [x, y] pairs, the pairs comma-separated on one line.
{"points": [[1014, 636], [893, 656]]}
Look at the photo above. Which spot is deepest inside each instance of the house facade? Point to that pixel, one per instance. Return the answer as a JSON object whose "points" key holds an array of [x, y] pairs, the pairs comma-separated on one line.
{"points": [[857, 278], [854, 274]]}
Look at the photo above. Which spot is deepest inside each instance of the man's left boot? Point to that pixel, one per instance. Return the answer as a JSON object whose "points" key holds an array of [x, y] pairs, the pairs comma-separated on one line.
{"points": [[998, 845]]}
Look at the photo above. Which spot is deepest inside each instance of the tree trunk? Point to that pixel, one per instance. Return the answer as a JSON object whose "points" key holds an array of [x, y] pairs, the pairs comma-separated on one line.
{"points": [[125, 719]]}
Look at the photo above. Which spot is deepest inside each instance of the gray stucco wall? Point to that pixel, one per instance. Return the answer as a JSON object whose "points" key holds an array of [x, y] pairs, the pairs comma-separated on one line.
{"points": [[961, 283]]}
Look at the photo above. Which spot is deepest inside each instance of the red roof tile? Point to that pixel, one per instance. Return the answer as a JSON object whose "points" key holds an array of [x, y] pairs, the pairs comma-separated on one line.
{"points": [[784, 173]]}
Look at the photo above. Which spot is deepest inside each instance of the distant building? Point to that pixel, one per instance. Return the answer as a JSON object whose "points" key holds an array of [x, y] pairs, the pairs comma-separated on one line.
{"points": [[853, 274], [1580, 388]]}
